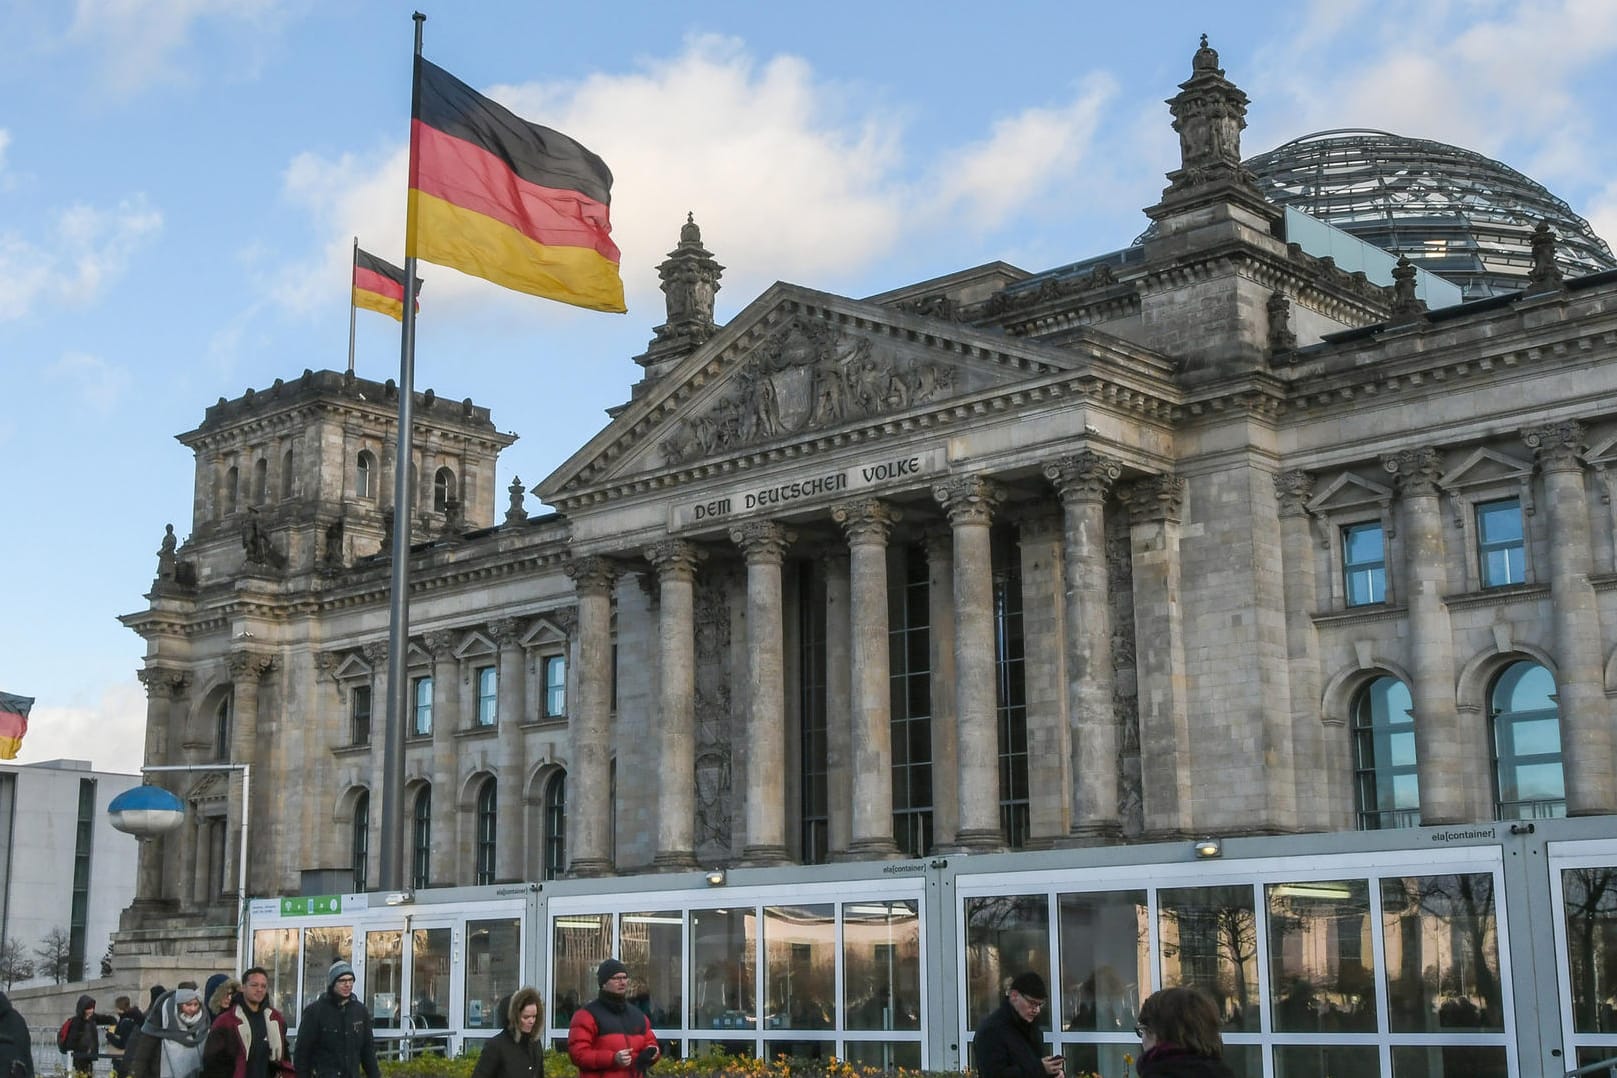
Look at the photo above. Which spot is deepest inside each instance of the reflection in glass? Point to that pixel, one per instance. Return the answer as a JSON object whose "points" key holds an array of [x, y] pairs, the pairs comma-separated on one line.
{"points": [[800, 967], [886, 1056], [1085, 1059], [493, 965], [733, 1049], [276, 949], [1449, 1061], [1209, 938], [1336, 1060], [322, 947], [1321, 967], [1385, 784], [1442, 954], [384, 972], [581, 941], [1105, 960], [429, 977], [651, 949], [1528, 779], [1589, 897], [881, 959], [723, 944], [1004, 936]]}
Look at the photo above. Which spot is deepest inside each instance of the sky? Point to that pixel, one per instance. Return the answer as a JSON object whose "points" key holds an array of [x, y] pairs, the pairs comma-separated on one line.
{"points": [[181, 182]]}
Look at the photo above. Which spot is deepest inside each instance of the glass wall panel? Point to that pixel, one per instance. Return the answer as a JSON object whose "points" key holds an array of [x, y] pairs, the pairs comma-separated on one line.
{"points": [[429, 977], [1105, 1059], [881, 965], [1590, 899], [886, 1056], [1004, 936], [1449, 1061], [384, 973], [779, 1049], [733, 1049], [800, 967], [322, 947], [723, 949], [650, 947], [493, 968], [581, 942], [1442, 954], [1336, 1060], [1105, 960], [276, 949], [1321, 963], [1209, 938]]}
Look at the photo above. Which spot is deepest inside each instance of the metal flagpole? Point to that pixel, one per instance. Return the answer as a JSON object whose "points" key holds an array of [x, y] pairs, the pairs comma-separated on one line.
{"points": [[353, 268], [398, 637]]}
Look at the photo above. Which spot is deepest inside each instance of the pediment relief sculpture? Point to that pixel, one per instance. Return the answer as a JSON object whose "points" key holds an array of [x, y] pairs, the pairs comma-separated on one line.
{"points": [[806, 377]]}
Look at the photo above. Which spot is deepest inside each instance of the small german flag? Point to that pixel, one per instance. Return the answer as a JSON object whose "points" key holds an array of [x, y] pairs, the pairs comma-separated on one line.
{"points": [[13, 723], [379, 285], [507, 200]]}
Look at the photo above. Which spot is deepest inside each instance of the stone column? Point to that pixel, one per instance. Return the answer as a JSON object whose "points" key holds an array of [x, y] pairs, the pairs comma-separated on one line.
{"points": [[443, 866], [1083, 482], [868, 522], [970, 501], [163, 687], [1156, 506], [509, 836], [675, 561], [1586, 738], [589, 812], [838, 703], [377, 655], [247, 668], [1440, 747], [1320, 743], [765, 543], [1041, 538], [939, 541]]}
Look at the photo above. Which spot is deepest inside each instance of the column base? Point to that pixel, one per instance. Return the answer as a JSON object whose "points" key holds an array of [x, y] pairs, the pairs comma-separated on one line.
{"points": [[977, 840], [764, 856], [870, 849], [674, 861], [591, 868], [1167, 834], [1098, 833]]}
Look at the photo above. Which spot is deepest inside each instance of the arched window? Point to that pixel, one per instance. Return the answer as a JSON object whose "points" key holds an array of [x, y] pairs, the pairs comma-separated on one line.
{"points": [[1386, 790], [365, 475], [361, 839], [222, 714], [260, 481], [421, 839], [555, 828], [487, 820], [231, 491], [443, 488], [286, 475], [1528, 781]]}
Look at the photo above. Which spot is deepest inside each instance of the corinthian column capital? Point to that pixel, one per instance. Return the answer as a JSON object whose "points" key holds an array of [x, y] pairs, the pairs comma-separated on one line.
{"points": [[867, 521], [591, 574], [675, 559], [762, 540], [1158, 498], [1559, 446], [1083, 477], [249, 666], [1293, 489], [1417, 470], [968, 499]]}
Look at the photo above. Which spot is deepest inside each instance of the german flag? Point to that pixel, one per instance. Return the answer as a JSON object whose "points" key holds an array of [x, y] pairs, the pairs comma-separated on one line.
{"points": [[507, 200], [379, 285], [13, 723]]}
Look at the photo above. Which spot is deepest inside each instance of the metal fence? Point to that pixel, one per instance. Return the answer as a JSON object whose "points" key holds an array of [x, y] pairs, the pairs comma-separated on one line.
{"points": [[48, 1060]]}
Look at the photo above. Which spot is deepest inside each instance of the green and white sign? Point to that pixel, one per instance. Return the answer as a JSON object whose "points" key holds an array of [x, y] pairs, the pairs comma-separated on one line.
{"points": [[311, 905]]}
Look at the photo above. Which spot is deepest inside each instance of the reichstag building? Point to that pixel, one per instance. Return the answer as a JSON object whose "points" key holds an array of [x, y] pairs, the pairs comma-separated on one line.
{"points": [[1238, 608]]}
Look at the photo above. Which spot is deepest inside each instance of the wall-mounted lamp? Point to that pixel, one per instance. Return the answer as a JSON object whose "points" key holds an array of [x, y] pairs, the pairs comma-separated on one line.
{"points": [[716, 877], [398, 898], [1208, 847]]}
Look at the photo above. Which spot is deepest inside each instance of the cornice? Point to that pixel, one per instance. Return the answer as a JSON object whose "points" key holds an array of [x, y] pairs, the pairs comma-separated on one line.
{"points": [[1358, 615], [1511, 593]]}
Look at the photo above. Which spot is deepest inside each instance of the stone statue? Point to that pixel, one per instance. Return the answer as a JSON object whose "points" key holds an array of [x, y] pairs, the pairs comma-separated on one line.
{"points": [[334, 540], [255, 541], [1545, 273], [1281, 338], [167, 559]]}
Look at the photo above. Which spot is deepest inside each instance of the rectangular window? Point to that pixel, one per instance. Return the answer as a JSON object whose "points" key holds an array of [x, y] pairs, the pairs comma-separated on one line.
{"points": [[1501, 549], [910, 683], [422, 724], [1010, 679], [814, 806], [555, 686], [359, 714], [488, 695], [1364, 564], [78, 914]]}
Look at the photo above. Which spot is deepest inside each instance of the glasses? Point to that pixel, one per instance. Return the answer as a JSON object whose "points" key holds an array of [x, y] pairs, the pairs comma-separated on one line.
{"points": [[1140, 1031], [1035, 1004]]}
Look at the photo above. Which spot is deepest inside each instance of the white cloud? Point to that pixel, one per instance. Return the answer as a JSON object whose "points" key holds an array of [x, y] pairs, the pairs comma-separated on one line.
{"points": [[5, 141], [140, 41], [85, 248], [110, 733], [1602, 214], [99, 385]]}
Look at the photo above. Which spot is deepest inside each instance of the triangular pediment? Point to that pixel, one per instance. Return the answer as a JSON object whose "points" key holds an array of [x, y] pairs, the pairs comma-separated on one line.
{"points": [[1602, 454], [1347, 491], [352, 666], [795, 366], [475, 644], [1485, 466]]}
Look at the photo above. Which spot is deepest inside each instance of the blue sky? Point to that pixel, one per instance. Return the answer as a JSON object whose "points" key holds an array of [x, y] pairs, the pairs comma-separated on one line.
{"points": [[180, 181]]}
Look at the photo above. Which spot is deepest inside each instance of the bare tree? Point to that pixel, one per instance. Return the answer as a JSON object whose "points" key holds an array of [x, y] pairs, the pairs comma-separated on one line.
{"points": [[15, 965], [53, 953]]}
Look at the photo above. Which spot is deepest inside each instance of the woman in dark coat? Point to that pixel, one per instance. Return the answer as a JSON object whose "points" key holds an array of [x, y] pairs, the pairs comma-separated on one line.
{"points": [[518, 1050], [1178, 1030]]}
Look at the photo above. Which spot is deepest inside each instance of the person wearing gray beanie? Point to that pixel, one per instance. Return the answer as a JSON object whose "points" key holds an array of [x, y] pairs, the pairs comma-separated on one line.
{"points": [[334, 1034], [338, 968]]}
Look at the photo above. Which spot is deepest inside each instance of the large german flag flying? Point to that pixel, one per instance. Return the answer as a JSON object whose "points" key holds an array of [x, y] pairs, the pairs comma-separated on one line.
{"points": [[506, 200], [13, 723], [379, 285]]}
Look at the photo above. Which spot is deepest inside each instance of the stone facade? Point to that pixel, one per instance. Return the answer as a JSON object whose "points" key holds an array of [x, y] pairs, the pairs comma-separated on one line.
{"points": [[1151, 464]]}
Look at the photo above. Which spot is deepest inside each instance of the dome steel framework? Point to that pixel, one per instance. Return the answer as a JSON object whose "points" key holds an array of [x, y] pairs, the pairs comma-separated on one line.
{"points": [[1452, 211]]}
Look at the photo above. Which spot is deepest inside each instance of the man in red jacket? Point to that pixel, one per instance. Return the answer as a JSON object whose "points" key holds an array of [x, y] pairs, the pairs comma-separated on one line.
{"points": [[608, 1038]]}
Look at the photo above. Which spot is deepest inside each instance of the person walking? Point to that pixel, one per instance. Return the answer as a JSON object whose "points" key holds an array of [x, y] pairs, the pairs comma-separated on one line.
{"points": [[607, 1037], [334, 1034], [16, 1046], [518, 1050], [171, 1038], [124, 1034], [1178, 1030], [83, 1039], [1007, 1044], [248, 1038]]}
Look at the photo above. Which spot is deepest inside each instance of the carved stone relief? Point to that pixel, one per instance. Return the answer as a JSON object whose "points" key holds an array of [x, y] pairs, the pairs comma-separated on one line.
{"points": [[714, 774]]}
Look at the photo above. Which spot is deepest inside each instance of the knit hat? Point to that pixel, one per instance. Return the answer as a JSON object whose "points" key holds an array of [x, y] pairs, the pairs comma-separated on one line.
{"points": [[609, 969], [338, 969], [157, 993], [1030, 984], [185, 995]]}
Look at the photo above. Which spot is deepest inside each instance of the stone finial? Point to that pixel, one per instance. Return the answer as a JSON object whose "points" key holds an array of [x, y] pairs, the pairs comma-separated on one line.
{"points": [[1281, 338], [1405, 304], [1206, 59], [516, 512], [1209, 114], [1545, 273]]}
